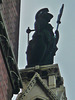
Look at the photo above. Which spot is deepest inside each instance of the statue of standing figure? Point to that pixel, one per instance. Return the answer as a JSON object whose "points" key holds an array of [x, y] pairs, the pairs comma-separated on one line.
{"points": [[43, 46]]}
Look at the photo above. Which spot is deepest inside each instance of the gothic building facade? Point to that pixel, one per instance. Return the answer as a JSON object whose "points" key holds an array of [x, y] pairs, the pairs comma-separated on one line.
{"points": [[42, 83], [10, 12], [10, 80]]}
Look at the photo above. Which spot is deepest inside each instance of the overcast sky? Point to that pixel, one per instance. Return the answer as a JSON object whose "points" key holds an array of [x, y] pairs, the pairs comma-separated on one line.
{"points": [[65, 56]]}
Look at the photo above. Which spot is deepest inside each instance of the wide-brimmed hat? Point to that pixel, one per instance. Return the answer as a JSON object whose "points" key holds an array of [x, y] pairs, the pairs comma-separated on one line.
{"points": [[43, 13]]}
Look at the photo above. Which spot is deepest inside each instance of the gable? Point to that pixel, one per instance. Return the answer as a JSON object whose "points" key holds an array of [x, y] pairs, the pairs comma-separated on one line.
{"points": [[36, 92], [37, 87]]}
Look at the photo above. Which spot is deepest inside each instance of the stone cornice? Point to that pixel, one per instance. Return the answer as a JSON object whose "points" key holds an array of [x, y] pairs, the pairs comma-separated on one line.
{"points": [[44, 71]]}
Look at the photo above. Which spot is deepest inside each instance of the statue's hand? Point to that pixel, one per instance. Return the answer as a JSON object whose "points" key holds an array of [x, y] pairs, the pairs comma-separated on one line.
{"points": [[57, 36], [56, 32]]}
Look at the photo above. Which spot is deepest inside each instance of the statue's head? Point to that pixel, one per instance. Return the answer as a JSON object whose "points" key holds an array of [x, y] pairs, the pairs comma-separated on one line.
{"points": [[44, 14], [42, 18]]}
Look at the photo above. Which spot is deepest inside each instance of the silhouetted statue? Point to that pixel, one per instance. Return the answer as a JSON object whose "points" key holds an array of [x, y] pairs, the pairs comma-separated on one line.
{"points": [[42, 48]]}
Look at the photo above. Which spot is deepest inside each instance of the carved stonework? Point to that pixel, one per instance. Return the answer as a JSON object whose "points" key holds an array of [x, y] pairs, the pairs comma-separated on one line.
{"points": [[42, 83]]}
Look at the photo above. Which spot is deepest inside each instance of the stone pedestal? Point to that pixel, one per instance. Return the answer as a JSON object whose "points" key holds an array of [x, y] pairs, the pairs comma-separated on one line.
{"points": [[42, 83]]}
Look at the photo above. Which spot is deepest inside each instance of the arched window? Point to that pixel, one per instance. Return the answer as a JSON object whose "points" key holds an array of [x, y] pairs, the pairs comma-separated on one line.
{"points": [[39, 99]]}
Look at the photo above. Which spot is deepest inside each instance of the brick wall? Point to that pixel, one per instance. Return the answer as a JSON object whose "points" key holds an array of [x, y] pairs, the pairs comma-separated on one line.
{"points": [[5, 85], [10, 10]]}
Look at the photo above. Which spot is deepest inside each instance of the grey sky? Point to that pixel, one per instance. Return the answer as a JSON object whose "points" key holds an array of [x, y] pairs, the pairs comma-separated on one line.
{"points": [[65, 56]]}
